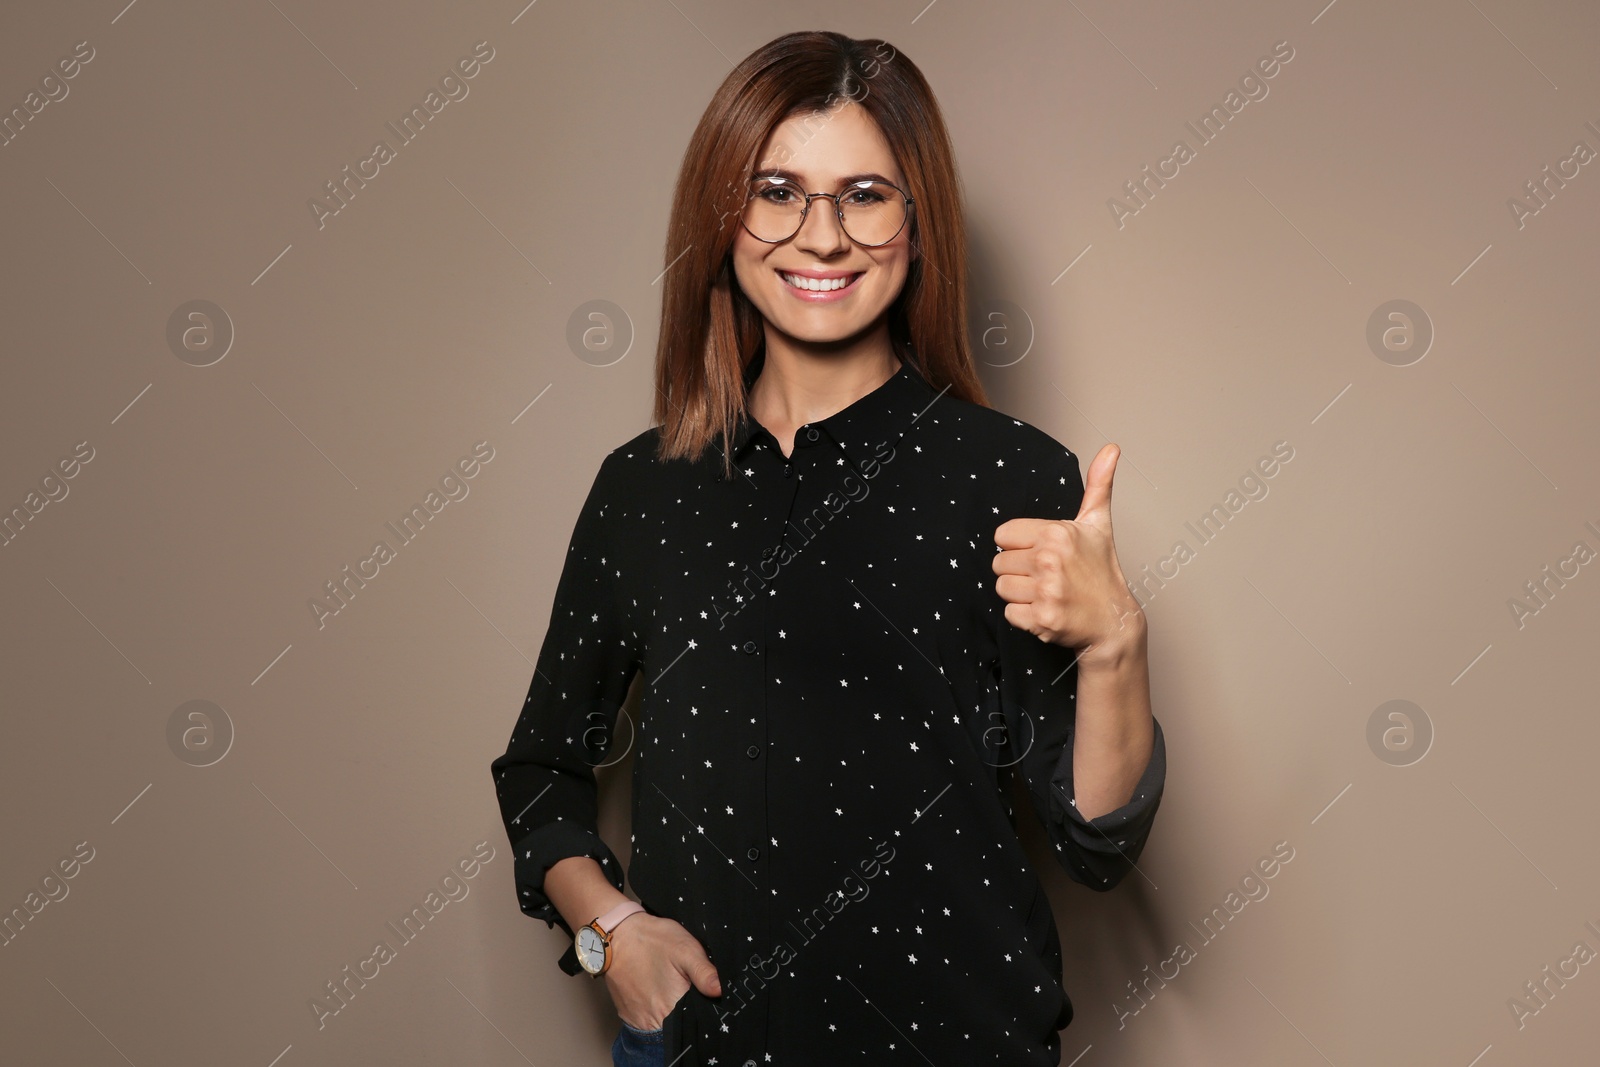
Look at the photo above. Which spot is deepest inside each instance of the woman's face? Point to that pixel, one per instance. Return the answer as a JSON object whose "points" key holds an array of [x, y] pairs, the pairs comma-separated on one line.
{"points": [[834, 145]]}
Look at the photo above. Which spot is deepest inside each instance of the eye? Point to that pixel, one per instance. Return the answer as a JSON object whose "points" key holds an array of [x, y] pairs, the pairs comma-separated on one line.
{"points": [[777, 191], [865, 195]]}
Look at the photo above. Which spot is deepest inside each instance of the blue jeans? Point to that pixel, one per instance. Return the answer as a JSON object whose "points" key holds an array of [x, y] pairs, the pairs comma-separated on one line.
{"points": [[639, 1048]]}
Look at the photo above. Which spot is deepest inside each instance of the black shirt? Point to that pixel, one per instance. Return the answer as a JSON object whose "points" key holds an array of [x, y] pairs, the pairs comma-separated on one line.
{"points": [[833, 704]]}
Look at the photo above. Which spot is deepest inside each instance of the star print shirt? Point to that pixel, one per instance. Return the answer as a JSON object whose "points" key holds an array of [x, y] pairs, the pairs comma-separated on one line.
{"points": [[832, 709]]}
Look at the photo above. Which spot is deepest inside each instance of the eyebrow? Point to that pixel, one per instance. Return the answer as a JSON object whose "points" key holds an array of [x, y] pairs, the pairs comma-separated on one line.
{"points": [[848, 179]]}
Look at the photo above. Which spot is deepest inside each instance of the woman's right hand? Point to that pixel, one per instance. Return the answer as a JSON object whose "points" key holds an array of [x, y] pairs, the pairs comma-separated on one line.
{"points": [[654, 963]]}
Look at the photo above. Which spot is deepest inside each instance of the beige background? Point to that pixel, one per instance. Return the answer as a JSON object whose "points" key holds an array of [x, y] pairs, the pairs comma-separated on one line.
{"points": [[370, 354]]}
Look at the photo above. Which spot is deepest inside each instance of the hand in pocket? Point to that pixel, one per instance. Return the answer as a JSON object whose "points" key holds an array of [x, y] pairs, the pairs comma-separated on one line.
{"points": [[655, 963]]}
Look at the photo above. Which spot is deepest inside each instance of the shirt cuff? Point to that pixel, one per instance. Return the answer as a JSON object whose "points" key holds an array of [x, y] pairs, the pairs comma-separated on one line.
{"points": [[543, 849], [1122, 831]]}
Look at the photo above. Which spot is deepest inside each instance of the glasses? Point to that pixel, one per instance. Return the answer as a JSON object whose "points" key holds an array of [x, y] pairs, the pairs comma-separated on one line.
{"points": [[871, 212]]}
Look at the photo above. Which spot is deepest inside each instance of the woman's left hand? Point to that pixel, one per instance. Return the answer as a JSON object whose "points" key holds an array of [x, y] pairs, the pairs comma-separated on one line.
{"points": [[1060, 577]]}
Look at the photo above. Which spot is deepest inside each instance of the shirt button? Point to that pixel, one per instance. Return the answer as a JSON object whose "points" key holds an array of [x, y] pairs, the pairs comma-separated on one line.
{"points": [[788, 470], [768, 552], [753, 751], [811, 433], [750, 646], [753, 853]]}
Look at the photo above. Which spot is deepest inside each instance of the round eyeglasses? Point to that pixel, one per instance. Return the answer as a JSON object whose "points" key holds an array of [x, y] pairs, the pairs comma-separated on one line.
{"points": [[871, 212]]}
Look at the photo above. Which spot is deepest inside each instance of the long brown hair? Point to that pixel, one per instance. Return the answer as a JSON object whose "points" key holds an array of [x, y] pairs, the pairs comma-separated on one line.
{"points": [[709, 329]]}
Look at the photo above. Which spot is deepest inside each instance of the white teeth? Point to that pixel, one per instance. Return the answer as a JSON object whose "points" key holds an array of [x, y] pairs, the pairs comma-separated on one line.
{"points": [[816, 285]]}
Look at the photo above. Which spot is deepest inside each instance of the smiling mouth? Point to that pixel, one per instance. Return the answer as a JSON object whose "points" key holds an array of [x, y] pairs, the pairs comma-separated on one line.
{"points": [[819, 285]]}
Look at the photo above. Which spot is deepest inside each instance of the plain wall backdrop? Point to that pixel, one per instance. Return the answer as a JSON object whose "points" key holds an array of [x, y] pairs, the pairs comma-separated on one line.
{"points": [[1382, 259]]}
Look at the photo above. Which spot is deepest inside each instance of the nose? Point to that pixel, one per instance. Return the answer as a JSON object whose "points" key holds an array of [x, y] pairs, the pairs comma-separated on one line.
{"points": [[821, 232]]}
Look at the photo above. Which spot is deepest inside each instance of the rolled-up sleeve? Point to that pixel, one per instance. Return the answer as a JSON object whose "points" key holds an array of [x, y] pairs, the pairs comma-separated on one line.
{"points": [[545, 779], [1038, 683]]}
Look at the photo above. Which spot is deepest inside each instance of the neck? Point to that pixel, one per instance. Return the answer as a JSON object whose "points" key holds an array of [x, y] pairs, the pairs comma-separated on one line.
{"points": [[801, 383]]}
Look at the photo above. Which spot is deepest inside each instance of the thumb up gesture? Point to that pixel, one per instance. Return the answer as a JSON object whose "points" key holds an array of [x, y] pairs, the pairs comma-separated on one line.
{"points": [[1060, 578]]}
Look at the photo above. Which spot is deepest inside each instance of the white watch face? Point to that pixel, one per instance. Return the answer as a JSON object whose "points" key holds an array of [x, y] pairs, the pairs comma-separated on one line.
{"points": [[591, 950]]}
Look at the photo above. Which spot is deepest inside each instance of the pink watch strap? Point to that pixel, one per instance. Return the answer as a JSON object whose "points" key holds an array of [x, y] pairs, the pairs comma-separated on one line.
{"points": [[609, 921]]}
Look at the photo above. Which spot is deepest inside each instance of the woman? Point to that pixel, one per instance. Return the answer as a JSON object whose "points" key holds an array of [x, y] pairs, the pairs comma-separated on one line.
{"points": [[842, 676]]}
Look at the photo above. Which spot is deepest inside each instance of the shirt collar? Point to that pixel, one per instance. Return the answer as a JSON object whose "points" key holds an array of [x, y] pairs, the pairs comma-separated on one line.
{"points": [[881, 415]]}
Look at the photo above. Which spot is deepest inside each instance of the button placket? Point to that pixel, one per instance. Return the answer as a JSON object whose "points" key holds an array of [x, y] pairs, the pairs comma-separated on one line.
{"points": [[778, 502]]}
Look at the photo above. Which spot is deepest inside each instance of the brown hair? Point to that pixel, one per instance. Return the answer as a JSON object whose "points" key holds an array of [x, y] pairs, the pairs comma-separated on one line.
{"points": [[709, 330]]}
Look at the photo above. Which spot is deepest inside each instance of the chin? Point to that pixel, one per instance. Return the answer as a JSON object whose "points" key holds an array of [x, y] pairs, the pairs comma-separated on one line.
{"points": [[832, 335]]}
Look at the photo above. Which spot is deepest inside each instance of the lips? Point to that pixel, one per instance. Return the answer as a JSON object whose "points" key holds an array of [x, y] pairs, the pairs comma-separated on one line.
{"points": [[831, 281]]}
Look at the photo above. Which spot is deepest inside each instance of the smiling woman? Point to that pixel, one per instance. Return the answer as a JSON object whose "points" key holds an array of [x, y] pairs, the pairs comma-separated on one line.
{"points": [[846, 111], [866, 677]]}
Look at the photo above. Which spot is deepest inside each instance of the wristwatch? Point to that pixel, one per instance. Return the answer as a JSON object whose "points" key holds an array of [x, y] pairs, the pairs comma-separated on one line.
{"points": [[593, 942]]}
